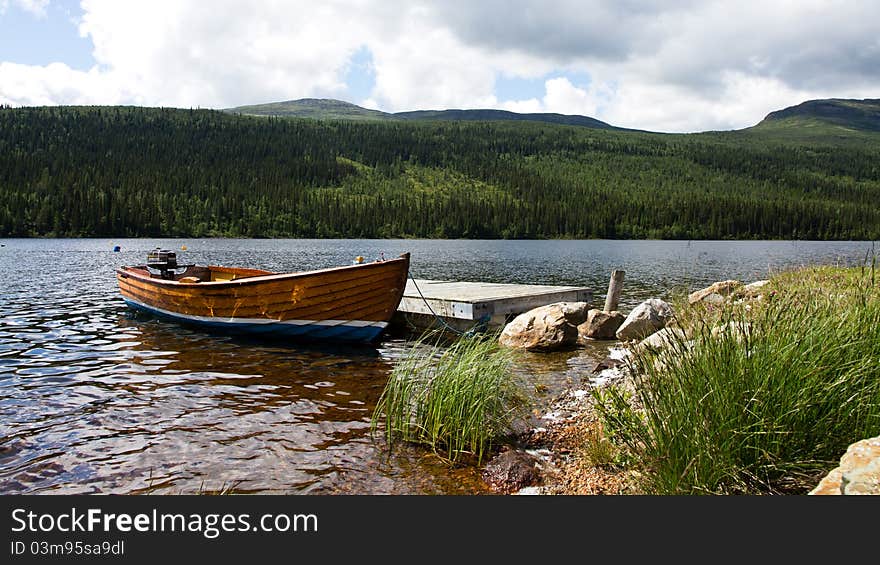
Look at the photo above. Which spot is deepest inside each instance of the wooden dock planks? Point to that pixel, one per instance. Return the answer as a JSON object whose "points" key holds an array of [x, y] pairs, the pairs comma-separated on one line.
{"points": [[474, 301]]}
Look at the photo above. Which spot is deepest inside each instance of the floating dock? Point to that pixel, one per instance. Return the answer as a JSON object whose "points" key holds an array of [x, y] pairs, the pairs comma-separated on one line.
{"points": [[465, 304]]}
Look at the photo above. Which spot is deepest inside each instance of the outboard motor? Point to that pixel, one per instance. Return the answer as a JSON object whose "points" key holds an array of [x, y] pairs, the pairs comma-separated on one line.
{"points": [[163, 260]]}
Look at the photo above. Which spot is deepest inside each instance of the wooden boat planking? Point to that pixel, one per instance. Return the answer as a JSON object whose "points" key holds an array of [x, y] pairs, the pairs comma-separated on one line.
{"points": [[273, 300], [349, 303]]}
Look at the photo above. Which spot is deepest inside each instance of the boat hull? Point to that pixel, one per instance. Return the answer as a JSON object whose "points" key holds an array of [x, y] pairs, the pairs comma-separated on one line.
{"points": [[351, 304]]}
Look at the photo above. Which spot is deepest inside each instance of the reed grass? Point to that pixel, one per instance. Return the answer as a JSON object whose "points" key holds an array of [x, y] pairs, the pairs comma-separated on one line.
{"points": [[766, 406], [459, 398]]}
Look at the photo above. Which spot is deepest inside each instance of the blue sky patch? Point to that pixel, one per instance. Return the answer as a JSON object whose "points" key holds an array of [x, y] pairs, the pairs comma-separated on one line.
{"points": [[28, 39], [518, 88], [360, 77]]}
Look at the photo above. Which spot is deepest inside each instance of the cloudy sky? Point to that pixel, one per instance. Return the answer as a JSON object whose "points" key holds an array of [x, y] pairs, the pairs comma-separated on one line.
{"points": [[674, 66]]}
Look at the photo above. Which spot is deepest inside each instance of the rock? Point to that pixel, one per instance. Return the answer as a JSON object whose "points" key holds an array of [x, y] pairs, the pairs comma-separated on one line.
{"points": [[737, 330], [511, 471], [858, 473], [863, 479], [666, 347], [722, 288], [545, 328], [575, 312], [715, 299], [645, 319], [755, 288], [529, 491], [600, 325], [661, 339], [607, 363]]}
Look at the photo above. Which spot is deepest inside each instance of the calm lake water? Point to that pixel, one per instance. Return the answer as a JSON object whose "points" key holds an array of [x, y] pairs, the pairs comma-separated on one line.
{"points": [[97, 399]]}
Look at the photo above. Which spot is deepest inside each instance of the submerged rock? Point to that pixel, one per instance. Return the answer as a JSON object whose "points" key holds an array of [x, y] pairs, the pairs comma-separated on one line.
{"points": [[546, 328], [721, 288], [646, 318], [607, 363], [600, 325], [510, 471]]}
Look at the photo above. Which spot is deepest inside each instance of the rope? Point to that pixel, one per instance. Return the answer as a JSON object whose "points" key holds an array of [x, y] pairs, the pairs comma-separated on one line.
{"points": [[479, 325]]}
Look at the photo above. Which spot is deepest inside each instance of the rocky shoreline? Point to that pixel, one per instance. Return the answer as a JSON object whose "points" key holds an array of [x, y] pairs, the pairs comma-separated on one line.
{"points": [[544, 458], [564, 452]]}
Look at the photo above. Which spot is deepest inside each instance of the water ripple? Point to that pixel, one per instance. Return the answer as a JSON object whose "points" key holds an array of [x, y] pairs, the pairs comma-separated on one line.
{"points": [[97, 399]]}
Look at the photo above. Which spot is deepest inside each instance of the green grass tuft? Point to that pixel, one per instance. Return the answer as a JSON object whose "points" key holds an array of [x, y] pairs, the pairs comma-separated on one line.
{"points": [[767, 406], [458, 399]]}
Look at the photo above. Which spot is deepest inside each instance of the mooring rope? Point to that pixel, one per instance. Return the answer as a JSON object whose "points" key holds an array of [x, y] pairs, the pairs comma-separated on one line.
{"points": [[470, 332]]}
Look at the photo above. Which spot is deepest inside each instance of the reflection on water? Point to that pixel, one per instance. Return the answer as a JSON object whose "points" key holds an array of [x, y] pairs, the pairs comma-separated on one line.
{"points": [[95, 398]]}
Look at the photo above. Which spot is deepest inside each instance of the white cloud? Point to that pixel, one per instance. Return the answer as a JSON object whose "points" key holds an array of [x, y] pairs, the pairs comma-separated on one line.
{"points": [[563, 97], [35, 7], [178, 53], [679, 66], [427, 69], [744, 100], [529, 106], [26, 85], [566, 98]]}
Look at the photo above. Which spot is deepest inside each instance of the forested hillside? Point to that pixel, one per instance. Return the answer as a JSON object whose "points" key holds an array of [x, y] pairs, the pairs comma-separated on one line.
{"points": [[329, 109], [124, 171]]}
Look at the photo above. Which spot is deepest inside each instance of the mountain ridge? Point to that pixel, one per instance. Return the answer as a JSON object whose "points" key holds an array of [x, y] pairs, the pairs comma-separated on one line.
{"points": [[329, 108], [828, 118], [819, 117], [841, 111]]}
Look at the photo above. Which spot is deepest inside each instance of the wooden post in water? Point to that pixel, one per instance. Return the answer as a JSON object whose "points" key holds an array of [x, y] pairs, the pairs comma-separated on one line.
{"points": [[615, 285]]}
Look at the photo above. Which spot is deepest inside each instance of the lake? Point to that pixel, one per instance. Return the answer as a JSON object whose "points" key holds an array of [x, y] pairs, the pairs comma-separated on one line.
{"points": [[97, 399]]}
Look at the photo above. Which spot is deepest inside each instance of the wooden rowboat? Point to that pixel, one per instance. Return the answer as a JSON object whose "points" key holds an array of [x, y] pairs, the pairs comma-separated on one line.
{"points": [[351, 303]]}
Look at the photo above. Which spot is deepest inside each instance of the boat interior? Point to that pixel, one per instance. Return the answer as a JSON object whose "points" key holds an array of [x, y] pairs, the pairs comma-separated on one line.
{"points": [[196, 274]]}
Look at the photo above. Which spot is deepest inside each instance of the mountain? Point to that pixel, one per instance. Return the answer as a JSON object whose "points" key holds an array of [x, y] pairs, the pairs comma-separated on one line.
{"points": [[473, 115], [829, 118], [315, 108], [814, 120], [328, 109]]}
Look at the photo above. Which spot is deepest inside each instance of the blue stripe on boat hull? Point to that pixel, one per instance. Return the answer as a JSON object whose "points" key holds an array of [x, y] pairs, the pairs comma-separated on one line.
{"points": [[316, 331]]}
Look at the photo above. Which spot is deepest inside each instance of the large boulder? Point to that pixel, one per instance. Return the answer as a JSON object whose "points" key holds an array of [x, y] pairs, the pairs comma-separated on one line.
{"points": [[545, 328], [646, 318], [600, 325], [575, 312], [714, 292], [858, 473]]}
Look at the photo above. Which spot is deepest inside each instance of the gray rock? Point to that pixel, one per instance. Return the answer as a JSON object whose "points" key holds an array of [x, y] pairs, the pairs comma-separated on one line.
{"points": [[661, 339], [754, 289], [714, 299], [575, 312], [545, 328], [600, 325], [721, 288], [736, 330], [645, 319]]}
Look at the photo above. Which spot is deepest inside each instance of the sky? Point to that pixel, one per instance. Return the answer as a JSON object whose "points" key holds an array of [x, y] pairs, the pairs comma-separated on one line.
{"points": [[670, 66]]}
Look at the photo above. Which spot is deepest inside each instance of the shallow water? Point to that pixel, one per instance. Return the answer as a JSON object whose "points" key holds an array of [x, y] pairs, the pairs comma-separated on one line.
{"points": [[97, 399]]}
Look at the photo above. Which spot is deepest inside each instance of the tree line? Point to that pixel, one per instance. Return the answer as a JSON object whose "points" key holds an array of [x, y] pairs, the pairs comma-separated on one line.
{"points": [[156, 172]]}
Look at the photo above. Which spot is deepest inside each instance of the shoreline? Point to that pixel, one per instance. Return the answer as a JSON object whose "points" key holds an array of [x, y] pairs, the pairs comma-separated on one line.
{"points": [[734, 373]]}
